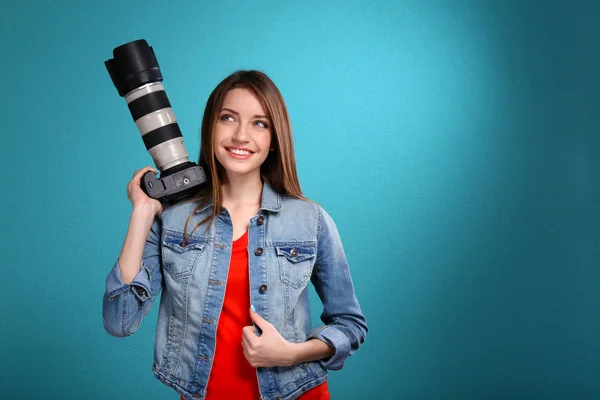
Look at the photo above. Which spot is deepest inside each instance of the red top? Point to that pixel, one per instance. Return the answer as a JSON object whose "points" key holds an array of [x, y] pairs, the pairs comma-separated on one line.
{"points": [[232, 377]]}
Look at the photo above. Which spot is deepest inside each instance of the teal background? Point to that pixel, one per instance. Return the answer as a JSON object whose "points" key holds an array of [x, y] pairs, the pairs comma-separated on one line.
{"points": [[455, 144]]}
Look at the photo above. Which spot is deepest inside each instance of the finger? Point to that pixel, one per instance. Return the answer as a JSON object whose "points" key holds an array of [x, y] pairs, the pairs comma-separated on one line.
{"points": [[146, 168], [248, 332], [137, 176], [246, 344], [129, 189], [247, 357], [247, 354], [257, 319]]}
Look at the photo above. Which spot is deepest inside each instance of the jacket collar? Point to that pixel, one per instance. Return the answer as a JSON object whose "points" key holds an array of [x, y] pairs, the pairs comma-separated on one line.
{"points": [[271, 200]]}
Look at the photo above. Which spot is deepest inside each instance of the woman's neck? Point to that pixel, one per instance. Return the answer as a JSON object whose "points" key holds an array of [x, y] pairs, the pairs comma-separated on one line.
{"points": [[242, 190]]}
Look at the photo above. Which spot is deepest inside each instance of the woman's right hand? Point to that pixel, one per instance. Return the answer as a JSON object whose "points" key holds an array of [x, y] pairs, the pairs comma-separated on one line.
{"points": [[136, 195]]}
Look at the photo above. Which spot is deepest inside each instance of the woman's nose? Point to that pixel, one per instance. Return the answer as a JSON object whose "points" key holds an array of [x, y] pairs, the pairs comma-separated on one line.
{"points": [[240, 133]]}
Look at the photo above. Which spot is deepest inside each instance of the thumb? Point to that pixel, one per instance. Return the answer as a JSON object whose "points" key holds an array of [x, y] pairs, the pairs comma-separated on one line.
{"points": [[256, 318]]}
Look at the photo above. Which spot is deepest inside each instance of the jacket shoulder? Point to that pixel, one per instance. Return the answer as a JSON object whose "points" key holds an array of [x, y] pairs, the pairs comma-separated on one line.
{"points": [[174, 216], [301, 205]]}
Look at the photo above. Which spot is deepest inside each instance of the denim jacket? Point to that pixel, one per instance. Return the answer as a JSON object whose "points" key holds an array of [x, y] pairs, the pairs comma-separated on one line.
{"points": [[290, 242]]}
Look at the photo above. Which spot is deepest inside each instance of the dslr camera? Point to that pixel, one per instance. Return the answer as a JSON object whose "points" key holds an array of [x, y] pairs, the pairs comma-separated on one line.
{"points": [[135, 73]]}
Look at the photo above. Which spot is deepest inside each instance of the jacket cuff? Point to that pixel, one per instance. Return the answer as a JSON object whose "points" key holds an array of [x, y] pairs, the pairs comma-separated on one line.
{"points": [[140, 284], [336, 339]]}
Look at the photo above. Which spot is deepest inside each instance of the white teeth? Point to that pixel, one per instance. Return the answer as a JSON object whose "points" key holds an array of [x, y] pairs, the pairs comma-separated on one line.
{"points": [[239, 152]]}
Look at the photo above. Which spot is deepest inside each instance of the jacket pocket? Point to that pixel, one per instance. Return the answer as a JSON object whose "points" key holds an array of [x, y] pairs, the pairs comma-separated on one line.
{"points": [[179, 255], [295, 263]]}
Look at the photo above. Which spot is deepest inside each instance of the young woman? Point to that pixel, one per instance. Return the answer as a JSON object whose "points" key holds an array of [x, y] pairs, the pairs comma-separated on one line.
{"points": [[234, 264]]}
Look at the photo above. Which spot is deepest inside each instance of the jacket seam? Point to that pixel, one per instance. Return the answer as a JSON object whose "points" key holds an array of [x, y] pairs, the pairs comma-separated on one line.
{"points": [[125, 315]]}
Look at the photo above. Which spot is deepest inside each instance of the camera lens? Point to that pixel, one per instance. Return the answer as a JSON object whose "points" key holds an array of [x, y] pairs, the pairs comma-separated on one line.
{"points": [[135, 73]]}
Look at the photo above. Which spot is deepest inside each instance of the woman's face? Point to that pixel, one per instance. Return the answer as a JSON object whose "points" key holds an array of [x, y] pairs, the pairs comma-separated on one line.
{"points": [[242, 135]]}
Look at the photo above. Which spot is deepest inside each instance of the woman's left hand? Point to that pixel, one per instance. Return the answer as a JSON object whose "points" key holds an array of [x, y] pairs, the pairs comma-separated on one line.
{"points": [[269, 349]]}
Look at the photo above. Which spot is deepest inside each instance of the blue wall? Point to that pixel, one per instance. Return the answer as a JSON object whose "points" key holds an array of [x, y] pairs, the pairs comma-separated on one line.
{"points": [[455, 143]]}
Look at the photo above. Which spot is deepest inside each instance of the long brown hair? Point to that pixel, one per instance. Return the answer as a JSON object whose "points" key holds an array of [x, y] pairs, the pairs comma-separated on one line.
{"points": [[279, 169]]}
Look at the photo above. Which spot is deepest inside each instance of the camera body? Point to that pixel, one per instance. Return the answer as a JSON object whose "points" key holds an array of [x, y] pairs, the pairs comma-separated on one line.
{"points": [[174, 186], [136, 74]]}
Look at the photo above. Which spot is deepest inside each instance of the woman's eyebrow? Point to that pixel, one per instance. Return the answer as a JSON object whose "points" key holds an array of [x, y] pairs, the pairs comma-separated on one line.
{"points": [[230, 110], [237, 113]]}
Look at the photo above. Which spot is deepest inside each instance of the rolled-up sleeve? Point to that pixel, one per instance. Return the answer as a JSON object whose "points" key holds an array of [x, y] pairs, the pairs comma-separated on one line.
{"points": [[345, 326], [125, 305]]}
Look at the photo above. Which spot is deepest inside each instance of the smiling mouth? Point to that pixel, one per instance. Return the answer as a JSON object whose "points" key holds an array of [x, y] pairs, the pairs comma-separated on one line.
{"points": [[239, 152]]}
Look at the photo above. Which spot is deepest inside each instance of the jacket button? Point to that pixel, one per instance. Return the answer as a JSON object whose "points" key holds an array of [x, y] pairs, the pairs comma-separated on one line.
{"points": [[294, 252], [261, 220], [262, 289], [258, 251], [182, 244]]}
